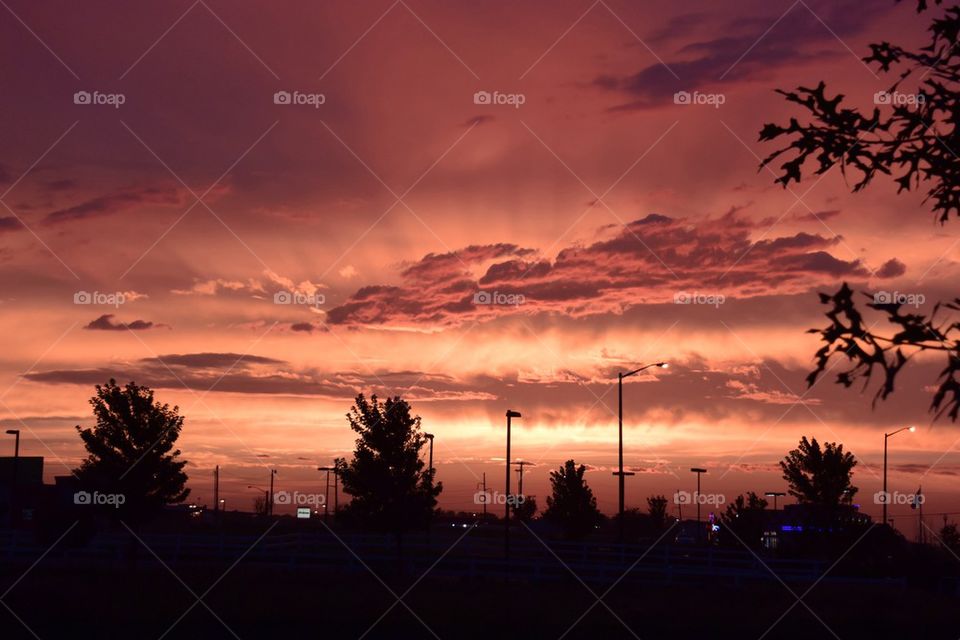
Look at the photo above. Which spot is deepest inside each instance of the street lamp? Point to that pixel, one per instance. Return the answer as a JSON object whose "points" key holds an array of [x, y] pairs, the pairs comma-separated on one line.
{"points": [[273, 472], [886, 496], [506, 507], [429, 436], [326, 490], [16, 469], [774, 495], [698, 471], [621, 473]]}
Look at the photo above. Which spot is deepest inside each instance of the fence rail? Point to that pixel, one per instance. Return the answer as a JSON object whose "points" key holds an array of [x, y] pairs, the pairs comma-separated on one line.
{"points": [[471, 557]]}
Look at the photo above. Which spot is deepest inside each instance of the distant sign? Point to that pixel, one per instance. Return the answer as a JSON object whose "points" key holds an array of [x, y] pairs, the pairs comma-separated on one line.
{"points": [[303, 513]]}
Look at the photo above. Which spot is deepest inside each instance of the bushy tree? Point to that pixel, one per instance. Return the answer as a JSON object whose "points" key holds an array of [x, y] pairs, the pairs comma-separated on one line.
{"points": [[131, 452], [525, 510], [819, 475], [950, 536], [572, 504], [744, 517], [260, 504], [917, 139], [657, 509], [390, 487]]}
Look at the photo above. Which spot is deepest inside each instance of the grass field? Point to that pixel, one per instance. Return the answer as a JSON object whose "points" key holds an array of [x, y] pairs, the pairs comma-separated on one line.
{"points": [[258, 603]]}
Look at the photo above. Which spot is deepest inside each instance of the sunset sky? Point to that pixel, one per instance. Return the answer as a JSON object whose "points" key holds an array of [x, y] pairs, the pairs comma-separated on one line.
{"points": [[580, 194]]}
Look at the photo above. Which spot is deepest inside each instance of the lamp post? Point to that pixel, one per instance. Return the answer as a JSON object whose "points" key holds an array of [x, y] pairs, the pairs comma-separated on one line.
{"points": [[506, 507], [429, 436], [621, 473], [326, 490], [16, 476], [774, 495], [698, 471], [266, 497], [886, 496], [273, 472], [336, 488]]}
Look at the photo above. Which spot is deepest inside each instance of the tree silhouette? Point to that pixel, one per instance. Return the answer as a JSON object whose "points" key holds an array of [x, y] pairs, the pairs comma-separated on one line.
{"points": [[866, 351], [131, 451], [950, 536], [525, 510], [572, 505], [260, 506], [919, 140], [390, 488], [657, 509], [819, 475], [744, 517], [914, 137]]}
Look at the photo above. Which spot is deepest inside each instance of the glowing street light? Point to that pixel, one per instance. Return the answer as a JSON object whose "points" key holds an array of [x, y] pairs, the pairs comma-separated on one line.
{"points": [[506, 507], [621, 473], [886, 496], [698, 471], [774, 495]]}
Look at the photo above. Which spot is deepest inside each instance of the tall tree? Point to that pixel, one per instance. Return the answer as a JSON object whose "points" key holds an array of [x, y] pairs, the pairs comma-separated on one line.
{"points": [[260, 506], [744, 518], [572, 504], [819, 475], [390, 487], [524, 511], [917, 137], [744, 504], [950, 536], [131, 451], [657, 508]]}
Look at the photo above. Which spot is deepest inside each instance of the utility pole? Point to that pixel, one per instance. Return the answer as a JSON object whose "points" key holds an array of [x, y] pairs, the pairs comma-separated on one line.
{"points": [[520, 465], [326, 490], [216, 489], [483, 487], [273, 472], [698, 471], [429, 436], [506, 507]]}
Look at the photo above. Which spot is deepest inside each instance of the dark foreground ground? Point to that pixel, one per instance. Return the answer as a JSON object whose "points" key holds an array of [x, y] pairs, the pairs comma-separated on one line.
{"points": [[256, 602]]}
